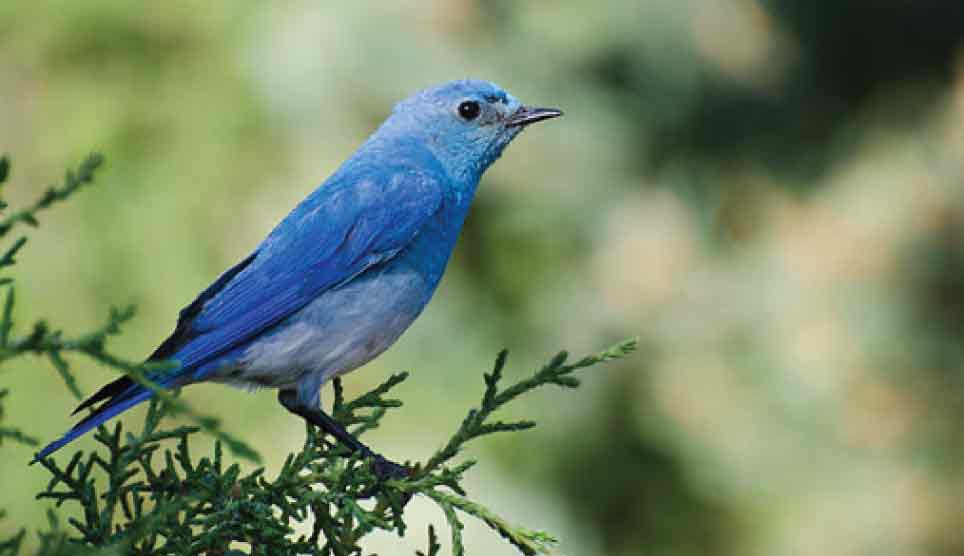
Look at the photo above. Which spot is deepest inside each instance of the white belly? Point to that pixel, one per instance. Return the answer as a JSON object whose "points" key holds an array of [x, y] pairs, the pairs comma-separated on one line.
{"points": [[336, 333]]}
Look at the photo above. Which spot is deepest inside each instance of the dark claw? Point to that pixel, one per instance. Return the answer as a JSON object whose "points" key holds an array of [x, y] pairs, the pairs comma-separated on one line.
{"points": [[386, 470]]}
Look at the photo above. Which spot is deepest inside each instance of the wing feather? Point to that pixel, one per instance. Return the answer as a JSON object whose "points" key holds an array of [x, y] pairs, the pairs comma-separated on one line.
{"points": [[341, 230]]}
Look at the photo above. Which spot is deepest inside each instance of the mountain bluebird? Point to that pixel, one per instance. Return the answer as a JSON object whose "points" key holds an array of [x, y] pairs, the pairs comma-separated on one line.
{"points": [[347, 271]]}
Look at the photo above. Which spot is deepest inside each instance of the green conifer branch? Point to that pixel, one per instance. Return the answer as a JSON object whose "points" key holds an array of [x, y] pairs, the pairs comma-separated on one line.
{"points": [[433, 545], [73, 181], [555, 372], [7, 433], [159, 500], [43, 340]]}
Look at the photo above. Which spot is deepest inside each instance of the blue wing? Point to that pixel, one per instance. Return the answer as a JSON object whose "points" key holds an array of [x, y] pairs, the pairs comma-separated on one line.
{"points": [[333, 236]]}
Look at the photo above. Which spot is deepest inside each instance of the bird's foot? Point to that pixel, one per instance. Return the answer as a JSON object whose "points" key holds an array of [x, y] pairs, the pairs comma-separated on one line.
{"points": [[386, 470]]}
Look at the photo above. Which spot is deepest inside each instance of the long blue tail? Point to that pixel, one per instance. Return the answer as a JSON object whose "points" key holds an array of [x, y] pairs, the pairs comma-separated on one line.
{"points": [[124, 394]]}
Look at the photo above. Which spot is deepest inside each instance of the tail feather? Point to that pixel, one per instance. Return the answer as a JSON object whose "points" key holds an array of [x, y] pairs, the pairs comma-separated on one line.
{"points": [[119, 403], [108, 391]]}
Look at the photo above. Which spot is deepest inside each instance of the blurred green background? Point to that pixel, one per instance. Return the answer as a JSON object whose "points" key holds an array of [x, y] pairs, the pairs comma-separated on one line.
{"points": [[768, 192]]}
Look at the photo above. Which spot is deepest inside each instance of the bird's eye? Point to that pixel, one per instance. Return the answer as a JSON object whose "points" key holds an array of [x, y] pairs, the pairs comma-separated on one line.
{"points": [[469, 110]]}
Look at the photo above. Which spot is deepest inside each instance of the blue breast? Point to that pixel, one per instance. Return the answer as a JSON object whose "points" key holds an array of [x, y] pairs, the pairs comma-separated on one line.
{"points": [[430, 252]]}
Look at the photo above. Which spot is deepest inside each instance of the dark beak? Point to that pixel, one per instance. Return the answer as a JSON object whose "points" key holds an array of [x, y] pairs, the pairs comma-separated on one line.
{"points": [[530, 115]]}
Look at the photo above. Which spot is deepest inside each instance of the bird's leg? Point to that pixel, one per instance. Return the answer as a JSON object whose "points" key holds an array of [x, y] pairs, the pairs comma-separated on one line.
{"points": [[385, 469]]}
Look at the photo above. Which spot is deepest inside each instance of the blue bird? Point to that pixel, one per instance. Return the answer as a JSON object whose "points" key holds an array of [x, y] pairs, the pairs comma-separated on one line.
{"points": [[347, 271]]}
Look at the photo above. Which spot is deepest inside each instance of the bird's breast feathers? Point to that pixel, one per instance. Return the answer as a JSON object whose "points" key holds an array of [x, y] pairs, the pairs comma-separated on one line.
{"points": [[339, 331]]}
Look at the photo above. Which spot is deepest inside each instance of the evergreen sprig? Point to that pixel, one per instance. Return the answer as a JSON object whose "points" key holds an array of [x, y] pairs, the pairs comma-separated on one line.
{"points": [[555, 372], [73, 181], [161, 500], [7, 433], [43, 340]]}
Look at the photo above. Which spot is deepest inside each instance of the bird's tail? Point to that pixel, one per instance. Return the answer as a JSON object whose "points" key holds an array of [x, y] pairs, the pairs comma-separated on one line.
{"points": [[121, 395]]}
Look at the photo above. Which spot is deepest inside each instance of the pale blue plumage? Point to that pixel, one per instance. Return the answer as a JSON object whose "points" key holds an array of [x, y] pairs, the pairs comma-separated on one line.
{"points": [[351, 267]]}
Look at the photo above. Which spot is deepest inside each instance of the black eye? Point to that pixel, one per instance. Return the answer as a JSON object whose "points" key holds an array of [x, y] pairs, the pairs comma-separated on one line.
{"points": [[469, 110]]}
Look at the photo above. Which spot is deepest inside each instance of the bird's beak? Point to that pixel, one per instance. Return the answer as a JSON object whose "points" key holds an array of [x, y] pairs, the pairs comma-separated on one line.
{"points": [[530, 114]]}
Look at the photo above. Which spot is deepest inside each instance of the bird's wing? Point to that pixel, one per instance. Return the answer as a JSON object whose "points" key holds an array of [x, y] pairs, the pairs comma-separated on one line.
{"points": [[330, 238]]}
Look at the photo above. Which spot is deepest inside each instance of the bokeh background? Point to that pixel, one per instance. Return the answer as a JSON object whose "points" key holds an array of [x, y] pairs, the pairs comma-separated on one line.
{"points": [[767, 192]]}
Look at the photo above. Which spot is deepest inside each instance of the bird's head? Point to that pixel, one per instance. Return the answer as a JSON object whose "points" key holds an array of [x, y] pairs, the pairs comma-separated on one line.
{"points": [[466, 124]]}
